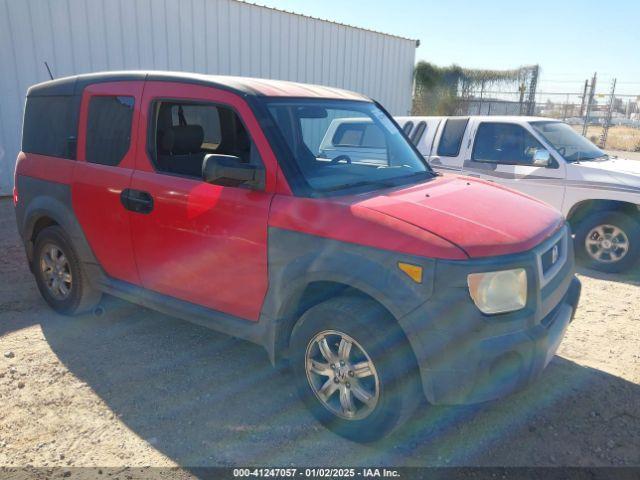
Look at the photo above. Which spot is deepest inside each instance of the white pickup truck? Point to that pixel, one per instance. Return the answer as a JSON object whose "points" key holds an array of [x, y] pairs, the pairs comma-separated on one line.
{"points": [[545, 158]]}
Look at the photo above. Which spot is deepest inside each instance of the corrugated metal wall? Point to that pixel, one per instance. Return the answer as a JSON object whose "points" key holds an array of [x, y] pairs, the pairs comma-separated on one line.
{"points": [[207, 36]]}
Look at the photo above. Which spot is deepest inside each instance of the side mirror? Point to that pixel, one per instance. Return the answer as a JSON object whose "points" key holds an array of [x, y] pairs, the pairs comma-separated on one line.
{"points": [[542, 158], [227, 170]]}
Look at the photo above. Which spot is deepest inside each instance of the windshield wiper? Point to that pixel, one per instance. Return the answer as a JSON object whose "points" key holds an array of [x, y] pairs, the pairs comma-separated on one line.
{"points": [[373, 183], [384, 183], [426, 174], [578, 160]]}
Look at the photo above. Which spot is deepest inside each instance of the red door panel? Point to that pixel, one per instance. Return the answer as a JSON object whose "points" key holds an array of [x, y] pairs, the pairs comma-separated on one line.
{"points": [[203, 243], [96, 191]]}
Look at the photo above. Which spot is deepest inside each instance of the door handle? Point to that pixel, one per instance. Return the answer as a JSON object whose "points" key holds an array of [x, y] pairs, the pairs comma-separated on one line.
{"points": [[136, 200]]}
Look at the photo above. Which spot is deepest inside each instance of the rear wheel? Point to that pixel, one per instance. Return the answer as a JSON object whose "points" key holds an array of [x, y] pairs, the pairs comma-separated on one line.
{"points": [[59, 275], [354, 368], [608, 241]]}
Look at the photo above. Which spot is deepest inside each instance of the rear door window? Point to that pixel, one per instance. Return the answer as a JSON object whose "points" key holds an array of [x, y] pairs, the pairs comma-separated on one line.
{"points": [[451, 138], [109, 129]]}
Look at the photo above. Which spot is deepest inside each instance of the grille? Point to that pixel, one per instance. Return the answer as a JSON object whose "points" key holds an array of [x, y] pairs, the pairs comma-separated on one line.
{"points": [[552, 255]]}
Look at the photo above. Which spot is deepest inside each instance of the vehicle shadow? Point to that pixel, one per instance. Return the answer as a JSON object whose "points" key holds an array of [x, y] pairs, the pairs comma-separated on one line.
{"points": [[631, 277], [205, 399]]}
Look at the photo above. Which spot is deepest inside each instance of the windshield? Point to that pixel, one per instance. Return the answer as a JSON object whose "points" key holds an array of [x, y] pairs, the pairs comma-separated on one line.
{"points": [[572, 146], [342, 145]]}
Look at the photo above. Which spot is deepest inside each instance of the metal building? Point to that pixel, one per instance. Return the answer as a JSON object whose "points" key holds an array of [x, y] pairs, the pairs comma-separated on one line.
{"points": [[205, 36]]}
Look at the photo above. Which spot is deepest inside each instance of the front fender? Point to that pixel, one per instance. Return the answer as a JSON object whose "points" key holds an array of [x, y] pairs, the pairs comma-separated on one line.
{"points": [[297, 260]]}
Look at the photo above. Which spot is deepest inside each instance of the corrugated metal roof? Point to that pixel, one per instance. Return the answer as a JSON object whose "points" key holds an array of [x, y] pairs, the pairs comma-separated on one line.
{"points": [[330, 21]]}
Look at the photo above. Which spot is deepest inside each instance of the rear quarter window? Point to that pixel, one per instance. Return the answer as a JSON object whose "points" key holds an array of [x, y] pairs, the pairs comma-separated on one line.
{"points": [[451, 139], [51, 126]]}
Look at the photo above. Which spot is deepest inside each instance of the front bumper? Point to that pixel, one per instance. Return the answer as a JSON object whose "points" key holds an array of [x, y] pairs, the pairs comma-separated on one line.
{"points": [[502, 364], [467, 357]]}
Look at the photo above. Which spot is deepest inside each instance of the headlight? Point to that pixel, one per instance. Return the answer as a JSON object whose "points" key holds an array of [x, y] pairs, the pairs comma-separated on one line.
{"points": [[499, 292]]}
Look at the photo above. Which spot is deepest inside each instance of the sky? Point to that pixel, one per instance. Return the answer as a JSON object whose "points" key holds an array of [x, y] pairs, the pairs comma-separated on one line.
{"points": [[569, 39]]}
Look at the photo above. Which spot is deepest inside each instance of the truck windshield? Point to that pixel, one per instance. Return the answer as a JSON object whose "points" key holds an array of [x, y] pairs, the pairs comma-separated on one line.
{"points": [[345, 145], [572, 146]]}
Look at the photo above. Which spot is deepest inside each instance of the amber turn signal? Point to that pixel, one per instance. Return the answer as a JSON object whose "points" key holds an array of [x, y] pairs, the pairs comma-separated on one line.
{"points": [[413, 271]]}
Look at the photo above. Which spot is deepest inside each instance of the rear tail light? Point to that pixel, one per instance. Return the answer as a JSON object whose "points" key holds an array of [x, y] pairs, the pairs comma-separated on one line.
{"points": [[15, 195]]}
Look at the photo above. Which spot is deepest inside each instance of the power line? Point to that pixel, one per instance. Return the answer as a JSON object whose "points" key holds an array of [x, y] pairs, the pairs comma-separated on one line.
{"points": [[576, 94]]}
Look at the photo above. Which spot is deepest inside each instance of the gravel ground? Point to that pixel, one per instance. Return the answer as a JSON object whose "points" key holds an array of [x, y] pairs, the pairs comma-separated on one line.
{"points": [[134, 388]]}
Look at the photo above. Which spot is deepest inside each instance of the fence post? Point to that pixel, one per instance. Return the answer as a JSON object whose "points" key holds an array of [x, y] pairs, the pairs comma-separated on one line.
{"points": [[592, 92], [584, 96], [533, 86], [607, 120], [522, 89]]}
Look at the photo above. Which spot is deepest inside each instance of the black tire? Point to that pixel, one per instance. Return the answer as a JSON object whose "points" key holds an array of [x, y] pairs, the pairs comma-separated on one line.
{"points": [[81, 297], [372, 327], [628, 225]]}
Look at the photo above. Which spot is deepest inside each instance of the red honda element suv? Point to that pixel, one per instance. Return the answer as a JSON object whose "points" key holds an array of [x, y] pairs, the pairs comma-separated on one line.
{"points": [[208, 198]]}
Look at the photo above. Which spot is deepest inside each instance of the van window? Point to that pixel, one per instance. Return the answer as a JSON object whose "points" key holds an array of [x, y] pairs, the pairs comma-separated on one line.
{"points": [[109, 129], [50, 126], [504, 143], [364, 135], [185, 132], [451, 139], [407, 128], [417, 135]]}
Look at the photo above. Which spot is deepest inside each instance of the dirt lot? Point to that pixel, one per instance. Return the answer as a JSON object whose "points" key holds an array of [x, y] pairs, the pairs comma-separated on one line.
{"points": [[134, 387]]}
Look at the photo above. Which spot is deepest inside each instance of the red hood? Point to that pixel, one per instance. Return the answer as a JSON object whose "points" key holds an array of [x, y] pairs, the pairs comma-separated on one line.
{"points": [[481, 218], [448, 217]]}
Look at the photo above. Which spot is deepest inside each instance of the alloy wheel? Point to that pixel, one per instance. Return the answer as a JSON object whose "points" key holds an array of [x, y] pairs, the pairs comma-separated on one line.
{"points": [[342, 375], [607, 243], [56, 271]]}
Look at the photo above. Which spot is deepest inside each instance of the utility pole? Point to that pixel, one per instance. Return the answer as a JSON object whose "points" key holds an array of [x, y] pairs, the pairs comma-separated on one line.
{"points": [[607, 120], [533, 86], [592, 92]]}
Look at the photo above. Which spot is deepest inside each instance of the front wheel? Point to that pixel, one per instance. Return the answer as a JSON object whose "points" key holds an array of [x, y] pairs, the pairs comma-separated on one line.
{"points": [[608, 241], [354, 368]]}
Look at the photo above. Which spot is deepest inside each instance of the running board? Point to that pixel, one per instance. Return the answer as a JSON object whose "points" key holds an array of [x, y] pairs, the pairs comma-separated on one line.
{"points": [[255, 332]]}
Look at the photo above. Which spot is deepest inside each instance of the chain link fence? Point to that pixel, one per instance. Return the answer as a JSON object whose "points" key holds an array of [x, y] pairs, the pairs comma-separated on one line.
{"points": [[609, 120]]}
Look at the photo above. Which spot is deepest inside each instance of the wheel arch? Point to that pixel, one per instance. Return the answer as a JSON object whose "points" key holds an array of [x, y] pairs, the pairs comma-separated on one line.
{"points": [[309, 294], [305, 270], [583, 209], [44, 211], [312, 290], [40, 214]]}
